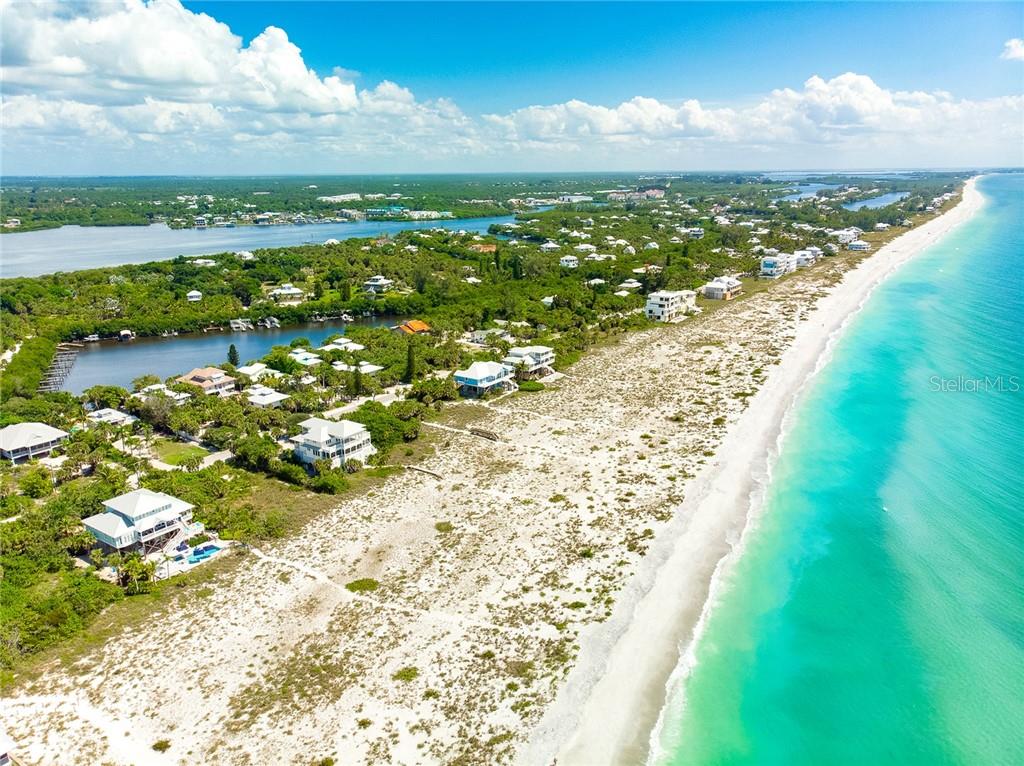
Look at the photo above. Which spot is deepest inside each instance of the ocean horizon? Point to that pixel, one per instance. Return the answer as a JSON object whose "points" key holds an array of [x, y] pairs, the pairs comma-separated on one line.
{"points": [[877, 612]]}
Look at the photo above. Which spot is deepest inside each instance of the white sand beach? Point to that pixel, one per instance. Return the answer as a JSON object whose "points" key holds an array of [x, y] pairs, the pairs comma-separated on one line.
{"points": [[612, 699], [533, 591]]}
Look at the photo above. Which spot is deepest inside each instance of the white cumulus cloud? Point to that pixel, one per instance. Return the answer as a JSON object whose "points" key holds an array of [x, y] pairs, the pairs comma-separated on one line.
{"points": [[1013, 50], [136, 86]]}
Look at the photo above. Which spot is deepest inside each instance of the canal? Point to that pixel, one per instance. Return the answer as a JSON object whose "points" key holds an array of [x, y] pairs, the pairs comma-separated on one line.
{"points": [[110, 363]]}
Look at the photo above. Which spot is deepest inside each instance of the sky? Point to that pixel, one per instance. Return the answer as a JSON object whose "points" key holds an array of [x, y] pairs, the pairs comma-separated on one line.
{"points": [[161, 87]]}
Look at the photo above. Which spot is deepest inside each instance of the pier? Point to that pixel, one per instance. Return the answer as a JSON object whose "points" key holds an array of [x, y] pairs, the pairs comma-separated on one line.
{"points": [[60, 367]]}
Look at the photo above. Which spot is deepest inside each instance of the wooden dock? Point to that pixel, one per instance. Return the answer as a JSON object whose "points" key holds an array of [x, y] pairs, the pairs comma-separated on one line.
{"points": [[60, 367]]}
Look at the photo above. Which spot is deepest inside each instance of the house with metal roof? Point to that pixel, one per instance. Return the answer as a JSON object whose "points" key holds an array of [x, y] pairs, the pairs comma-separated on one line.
{"points": [[142, 520], [530, 360], [24, 441], [484, 377], [336, 441]]}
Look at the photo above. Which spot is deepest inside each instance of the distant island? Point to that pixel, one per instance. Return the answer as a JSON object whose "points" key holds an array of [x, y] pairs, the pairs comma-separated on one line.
{"points": [[31, 204]]}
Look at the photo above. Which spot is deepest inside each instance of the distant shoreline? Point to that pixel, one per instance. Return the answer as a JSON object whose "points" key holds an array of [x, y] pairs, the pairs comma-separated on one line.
{"points": [[610, 709], [20, 230]]}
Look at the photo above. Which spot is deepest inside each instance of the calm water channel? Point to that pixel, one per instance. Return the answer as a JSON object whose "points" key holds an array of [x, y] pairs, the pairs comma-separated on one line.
{"points": [[118, 364], [70, 248]]}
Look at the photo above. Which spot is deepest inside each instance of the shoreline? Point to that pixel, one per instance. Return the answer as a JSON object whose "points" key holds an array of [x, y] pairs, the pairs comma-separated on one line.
{"points": [[637, 660]]}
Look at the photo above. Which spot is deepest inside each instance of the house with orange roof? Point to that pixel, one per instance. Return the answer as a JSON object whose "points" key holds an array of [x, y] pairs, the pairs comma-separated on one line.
{"points": [[413, 327]]}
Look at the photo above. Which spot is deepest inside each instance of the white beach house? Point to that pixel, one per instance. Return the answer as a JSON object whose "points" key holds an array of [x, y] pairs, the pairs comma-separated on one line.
{"points": [[569, 262], [550, 247], [287, 293], [304, 357], [804, 258], [142, 520], [111, 417], [337, 441], [858, 244], [258, 370], [263, 396], [777, 265], [670, 305], [342, 344], [377, 284], [722, 288], [193, 296], [24, 441], [160, 389], [530, 361], [484, 377], [364, 367]]}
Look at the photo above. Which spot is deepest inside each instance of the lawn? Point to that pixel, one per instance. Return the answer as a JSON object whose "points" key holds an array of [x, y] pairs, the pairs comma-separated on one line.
{"points": [[173, 453]]}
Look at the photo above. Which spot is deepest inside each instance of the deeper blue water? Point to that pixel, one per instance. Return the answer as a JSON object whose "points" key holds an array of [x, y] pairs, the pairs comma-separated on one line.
{"points": [[877, 614], [70, 248]]}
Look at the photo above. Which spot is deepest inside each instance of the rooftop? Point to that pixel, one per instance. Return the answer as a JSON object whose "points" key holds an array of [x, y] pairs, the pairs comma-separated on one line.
{"points": [[22, 435], [140, 502]]}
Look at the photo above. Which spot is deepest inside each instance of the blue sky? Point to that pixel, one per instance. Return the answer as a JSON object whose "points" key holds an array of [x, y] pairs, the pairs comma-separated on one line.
{"points": [[497, 56], [157, 86]]}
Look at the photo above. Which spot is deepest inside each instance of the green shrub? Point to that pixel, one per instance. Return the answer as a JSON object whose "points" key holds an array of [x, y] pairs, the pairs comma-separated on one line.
{"points": [[331, 482], [162, 745], [36, 483], [444, 527], [531, 385], [406, 674], [363, 586]]}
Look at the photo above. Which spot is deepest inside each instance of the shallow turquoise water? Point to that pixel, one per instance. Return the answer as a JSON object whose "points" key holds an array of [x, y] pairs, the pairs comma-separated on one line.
{"points": [[877, 615]]}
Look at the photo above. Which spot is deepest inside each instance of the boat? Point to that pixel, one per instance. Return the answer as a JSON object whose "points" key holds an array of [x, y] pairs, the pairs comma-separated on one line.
{"points": [[241, 325], [94, 338], [125, 335], [269, 322], [346, 317]]}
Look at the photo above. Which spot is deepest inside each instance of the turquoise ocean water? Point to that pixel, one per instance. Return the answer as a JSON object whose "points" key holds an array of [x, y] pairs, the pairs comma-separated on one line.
{"points": [[877, 613]]}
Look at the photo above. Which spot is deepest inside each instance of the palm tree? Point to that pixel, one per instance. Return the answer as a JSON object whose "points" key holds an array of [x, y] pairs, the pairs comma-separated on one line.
{"points": [[115, 477]]}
